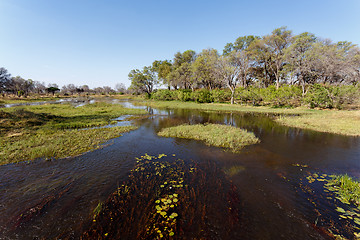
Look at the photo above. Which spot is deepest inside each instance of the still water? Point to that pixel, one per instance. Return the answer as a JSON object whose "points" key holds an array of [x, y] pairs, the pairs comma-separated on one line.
{"points": [[268, 176]]}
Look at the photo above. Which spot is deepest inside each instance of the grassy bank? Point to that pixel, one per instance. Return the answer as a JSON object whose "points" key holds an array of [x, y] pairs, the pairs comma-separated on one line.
{"points": [[31, 132], [332, 121], [217, 135]]}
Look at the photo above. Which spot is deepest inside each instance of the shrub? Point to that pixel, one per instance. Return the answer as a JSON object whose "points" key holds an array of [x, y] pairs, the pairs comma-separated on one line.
{"points": [[249, 95], [202, 96], [319, 96], [184, 95], [221, 95], [163, 95]]}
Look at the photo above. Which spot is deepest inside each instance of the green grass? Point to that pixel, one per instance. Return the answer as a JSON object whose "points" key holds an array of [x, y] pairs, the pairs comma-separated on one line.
{"points": [[55, 131], [347, 189], [331, 121], [222, 107], [55, 144], [217, 135]]}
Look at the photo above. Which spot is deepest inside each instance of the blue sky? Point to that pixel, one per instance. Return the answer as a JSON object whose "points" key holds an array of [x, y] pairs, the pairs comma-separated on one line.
{"points": [[98, 42]]}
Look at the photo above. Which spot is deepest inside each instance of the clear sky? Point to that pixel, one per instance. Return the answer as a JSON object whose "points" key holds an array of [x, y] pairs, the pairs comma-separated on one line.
{"points": [[98, 42]]}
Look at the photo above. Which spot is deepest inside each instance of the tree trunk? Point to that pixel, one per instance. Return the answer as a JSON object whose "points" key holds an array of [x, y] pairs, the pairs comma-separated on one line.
{"points": [[232, 95]]}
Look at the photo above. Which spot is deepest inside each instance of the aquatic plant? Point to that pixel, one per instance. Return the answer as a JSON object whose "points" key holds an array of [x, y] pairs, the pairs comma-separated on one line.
{"points": [[342, 193], [166, 197]]}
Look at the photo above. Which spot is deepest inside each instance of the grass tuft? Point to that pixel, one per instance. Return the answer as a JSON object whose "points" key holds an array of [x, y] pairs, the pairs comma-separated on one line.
{"points": [[217, 135]]}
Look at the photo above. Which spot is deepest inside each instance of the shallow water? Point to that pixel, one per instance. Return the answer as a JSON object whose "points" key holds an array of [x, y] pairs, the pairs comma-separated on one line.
{"points": [[273, 203]]}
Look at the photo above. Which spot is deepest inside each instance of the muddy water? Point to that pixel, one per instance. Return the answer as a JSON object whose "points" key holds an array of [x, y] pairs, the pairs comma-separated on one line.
{"points": [[273, 204]]}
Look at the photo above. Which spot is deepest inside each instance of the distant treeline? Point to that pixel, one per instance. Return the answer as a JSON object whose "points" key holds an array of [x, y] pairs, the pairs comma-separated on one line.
{"points": [[277, 59], [318, 95], [19, 86]]}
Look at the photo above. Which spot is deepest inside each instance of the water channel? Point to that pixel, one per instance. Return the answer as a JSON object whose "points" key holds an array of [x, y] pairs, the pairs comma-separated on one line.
{"points": [[268, 177]]}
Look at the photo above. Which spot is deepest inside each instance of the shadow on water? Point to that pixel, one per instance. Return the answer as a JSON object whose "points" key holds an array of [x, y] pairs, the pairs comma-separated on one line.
{"points": [[44, 199]]}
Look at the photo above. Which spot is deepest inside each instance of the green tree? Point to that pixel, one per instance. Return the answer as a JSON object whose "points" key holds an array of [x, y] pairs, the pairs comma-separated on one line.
{"points": [[181, 74], [241, 43], [143, 81], [5, 79], [300, 59], [204, 69], [163, 69], [276, 44]]}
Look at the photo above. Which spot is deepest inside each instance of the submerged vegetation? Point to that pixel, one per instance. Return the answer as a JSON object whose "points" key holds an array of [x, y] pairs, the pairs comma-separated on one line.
{"points": [[166, 197], [228, 137], [346, 188], [56, 131], [341, 193]]}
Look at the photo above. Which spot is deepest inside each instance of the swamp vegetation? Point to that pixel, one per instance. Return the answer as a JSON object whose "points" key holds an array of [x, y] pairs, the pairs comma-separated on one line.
{"points": [[159, 182], [57, 131], [216, 135]]}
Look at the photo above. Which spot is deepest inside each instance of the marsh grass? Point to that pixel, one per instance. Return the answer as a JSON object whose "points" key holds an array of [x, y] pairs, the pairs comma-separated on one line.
{"points": [[343, 122], [331, 121], [347, 189], [53, 131], [217, 135]]}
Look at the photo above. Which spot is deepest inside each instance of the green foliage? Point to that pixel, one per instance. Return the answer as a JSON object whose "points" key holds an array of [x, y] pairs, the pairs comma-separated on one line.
{"points": [[213, 134], [319, 96], [164, 95], [347, 188], [221, 95], [249, 95], [202, 96], [287, 95], [184, 95]]}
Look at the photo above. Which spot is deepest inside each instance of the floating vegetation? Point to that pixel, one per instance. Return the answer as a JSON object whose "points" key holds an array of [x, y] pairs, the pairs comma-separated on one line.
{"points": [[166, 197], [340, 193], [217, 135], [346, 189]]}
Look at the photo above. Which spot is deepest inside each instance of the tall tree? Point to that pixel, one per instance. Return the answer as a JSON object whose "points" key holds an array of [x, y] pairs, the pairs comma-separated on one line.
{"points": [[204, 68], [144, 80], [163, 69], [5, 78], [181, 74], [234, 68], [299, 58], [241, 43], [276, 44]]}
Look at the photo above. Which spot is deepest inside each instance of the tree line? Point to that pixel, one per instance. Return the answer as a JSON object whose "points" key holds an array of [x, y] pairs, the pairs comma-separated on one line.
{"points": [[19, 86], [276, 59]]}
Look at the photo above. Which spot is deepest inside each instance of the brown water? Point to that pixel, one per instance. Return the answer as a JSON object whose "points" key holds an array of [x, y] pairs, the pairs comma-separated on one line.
{"points": [[273, 203]]}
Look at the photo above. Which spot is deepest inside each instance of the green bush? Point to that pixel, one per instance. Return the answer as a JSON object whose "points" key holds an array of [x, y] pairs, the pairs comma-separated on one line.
{"points": [[221, 95], [346, 95], [184, 95], [163, 95], [202, 96], [287, 95], [319, 96], [249, 95]]}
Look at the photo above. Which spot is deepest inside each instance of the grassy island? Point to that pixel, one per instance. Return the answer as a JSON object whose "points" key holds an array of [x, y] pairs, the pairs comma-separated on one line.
{"points": [[217, 135], [57, 131]]}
